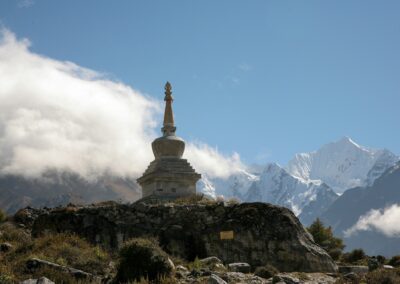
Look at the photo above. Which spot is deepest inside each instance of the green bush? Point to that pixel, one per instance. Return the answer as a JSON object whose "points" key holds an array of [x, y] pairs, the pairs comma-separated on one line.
{"points": [[142, 258], [324, 237], [266, 271], [356, 256], [395, 261]]}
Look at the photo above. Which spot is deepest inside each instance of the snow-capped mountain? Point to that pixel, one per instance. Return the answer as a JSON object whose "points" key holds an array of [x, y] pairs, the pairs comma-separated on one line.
{"points": [[342, 164], [307, 185], [235, 185], [277, 186]]}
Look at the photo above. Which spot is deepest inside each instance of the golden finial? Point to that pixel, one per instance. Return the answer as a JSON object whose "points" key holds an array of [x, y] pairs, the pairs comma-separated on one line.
{"points": [[168, 93]]}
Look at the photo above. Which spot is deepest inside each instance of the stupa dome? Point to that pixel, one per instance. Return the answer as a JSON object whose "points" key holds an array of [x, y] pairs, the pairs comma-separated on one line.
{"points": [[168, 146]]}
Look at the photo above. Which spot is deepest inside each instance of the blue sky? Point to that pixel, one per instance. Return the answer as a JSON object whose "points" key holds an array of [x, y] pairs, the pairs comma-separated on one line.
{"points": [[266, 79]]}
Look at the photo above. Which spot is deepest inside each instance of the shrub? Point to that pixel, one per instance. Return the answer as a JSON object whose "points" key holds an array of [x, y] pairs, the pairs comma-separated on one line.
{"points": [[324, 237], [356, 256], [194, 199], [3, 216], [381, 259], [14, 235], [5, 279], [142, 258], [383, 276], [266, 271], [395, 261]]}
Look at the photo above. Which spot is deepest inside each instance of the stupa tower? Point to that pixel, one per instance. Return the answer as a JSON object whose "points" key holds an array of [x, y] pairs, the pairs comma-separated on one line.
{"points": [[168, 176]]}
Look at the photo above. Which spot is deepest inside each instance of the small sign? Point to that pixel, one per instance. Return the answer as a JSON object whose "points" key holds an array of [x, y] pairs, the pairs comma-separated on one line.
{"points": [[226, 235]]}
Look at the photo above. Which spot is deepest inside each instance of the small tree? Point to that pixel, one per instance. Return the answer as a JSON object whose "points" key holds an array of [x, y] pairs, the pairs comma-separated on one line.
{"points": [[324, 237], [3, 216], [395, 261], [356, 256]]}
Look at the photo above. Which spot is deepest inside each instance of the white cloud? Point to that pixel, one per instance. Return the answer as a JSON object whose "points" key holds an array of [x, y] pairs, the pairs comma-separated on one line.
{"points": [[58, 115], [210, 161], [385, 221]]}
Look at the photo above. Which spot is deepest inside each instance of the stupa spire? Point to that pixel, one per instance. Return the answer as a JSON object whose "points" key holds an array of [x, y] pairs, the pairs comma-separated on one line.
{"points": [[168, 125]]}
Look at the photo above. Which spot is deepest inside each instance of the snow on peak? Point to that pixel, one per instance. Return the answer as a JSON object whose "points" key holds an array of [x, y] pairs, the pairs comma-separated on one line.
{"points": [[342, 164]]}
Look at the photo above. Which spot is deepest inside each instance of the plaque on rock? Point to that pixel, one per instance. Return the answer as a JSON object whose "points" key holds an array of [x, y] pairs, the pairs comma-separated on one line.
{"points": [[226, 235]]}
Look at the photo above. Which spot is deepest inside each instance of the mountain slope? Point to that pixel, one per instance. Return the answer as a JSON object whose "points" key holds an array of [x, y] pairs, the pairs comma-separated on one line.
{"points": [[357, 203], [342, 164], [54, 188], [277, 186]]}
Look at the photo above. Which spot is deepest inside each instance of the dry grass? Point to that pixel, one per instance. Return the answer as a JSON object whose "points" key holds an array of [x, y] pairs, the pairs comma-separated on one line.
{"points": [[64, 249], [195, 199]]}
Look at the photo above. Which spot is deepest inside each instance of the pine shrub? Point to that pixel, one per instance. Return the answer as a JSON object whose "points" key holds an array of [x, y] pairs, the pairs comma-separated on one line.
{"points": [[142, 259], [324, 237]]}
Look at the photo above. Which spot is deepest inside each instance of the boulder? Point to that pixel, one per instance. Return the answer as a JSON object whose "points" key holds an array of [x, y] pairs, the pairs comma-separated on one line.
{"points": [[254, 233], [239, 267], [288, 279], [353, 268], [210, 261], [238, 277], [34, 264], [214, 279], [42, 280]]}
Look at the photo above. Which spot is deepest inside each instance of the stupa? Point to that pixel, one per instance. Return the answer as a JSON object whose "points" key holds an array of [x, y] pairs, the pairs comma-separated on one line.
{"points": [[168, 176]]}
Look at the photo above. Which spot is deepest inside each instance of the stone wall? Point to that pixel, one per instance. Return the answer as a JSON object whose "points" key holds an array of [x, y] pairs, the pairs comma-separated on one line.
{"points": [[256, 233]]}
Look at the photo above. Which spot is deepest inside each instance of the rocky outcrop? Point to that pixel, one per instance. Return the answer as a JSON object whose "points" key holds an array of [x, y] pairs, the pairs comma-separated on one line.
{"points": [[256, 233], [34, 264]]}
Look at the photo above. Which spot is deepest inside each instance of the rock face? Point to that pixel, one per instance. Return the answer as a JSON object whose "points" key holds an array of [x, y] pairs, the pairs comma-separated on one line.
{"points": [[255, 233]]}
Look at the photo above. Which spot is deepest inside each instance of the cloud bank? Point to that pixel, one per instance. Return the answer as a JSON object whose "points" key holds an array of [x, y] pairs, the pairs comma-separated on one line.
{"points": [[58, 115], [385, 221]]}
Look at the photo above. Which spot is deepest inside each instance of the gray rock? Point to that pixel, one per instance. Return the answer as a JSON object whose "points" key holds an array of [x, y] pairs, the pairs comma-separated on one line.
{"points": [[288, 279], [353, 268], [210, 261], [257, 231], [181, 268], [239, 267], [238, 277], [214, 279], [34, 263], [42, 280], [351, 276]]}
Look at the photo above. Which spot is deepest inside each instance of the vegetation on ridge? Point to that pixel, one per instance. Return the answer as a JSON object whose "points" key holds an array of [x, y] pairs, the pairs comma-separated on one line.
{"points": [[324, 237]]}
